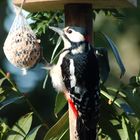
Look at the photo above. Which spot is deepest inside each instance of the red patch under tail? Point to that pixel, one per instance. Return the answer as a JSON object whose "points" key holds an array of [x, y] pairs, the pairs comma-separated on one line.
{"points": [[71, 104]]}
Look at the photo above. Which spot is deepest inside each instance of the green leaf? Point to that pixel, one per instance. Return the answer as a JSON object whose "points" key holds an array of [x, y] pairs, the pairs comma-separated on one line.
{"points": [[116, 54], [135, 121], [53, 57], [9, 80], [2, 98], [104, 67], [1, 91], [60, 102], [107, 95], [108, 128], [116, 91], [3, 126], [45, 81], [124, 133], [120, 102], [55, 49], [135, 81], [2, 80], [58, 129], [8, 133], [9, 101], [32, 134], [130, 129], [22, 127], [65, 135], [133, 99]]}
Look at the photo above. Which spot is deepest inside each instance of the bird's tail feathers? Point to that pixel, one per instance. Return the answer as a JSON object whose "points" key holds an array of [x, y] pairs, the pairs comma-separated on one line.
{"points": [[84, 132]]}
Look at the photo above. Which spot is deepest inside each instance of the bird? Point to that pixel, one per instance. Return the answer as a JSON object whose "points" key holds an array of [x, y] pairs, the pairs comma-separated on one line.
{"points": [[76, 74]]}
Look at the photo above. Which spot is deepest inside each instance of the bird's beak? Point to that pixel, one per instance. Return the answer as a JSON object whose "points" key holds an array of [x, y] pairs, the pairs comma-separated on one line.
{"points": [[57, 30]]}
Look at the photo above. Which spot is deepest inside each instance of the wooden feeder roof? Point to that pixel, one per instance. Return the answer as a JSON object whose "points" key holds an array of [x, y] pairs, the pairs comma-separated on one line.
{"points": [[46, 5]]}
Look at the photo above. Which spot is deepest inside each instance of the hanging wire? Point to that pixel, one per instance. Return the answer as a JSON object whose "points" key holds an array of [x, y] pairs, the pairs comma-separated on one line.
{"points": [[23, 1], [18, 10]]}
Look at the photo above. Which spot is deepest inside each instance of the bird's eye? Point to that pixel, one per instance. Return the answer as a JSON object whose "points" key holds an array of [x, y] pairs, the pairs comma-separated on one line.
{"points": [[69, 31]]}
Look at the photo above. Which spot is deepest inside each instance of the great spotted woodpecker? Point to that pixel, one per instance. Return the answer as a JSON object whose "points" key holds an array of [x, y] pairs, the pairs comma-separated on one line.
{"points": [[77, 75]]}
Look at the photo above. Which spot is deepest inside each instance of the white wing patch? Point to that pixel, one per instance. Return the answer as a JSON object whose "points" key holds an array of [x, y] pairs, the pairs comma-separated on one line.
{"points": [[72, 74], [56, 77]]}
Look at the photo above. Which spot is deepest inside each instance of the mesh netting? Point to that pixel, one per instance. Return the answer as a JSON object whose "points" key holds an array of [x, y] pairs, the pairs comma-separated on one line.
{"points": [[21, 46]]}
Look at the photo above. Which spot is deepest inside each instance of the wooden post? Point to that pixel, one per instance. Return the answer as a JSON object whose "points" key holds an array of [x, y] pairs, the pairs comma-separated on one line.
{"points": [[78, 15]]}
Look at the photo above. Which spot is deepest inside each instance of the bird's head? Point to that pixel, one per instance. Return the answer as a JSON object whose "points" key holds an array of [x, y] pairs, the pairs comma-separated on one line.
{"points": [[71, 34]]}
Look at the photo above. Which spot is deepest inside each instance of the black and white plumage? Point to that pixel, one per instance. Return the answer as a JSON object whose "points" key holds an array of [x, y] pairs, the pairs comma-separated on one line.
{"points": [[77, 73]]}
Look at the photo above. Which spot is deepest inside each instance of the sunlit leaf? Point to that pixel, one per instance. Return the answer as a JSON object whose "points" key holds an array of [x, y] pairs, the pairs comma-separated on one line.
{"points": [[22, 127], [65, 135], [58, 129], [2, 98], [1, 90], [10, 133], [107, 95], [32, 134], [45, 81], [55, 49], [124, 134], [60, 102], [136, 136], [115, 91], [4, 127], [53, 57], [130, 129], [120, 102]]}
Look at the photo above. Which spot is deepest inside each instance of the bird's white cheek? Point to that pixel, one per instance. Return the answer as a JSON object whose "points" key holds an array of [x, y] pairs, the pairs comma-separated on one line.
{"points": [[56, 77]]}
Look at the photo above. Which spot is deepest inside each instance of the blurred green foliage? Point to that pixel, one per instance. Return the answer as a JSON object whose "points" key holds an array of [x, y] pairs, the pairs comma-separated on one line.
{"points": [[120, 110]]}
